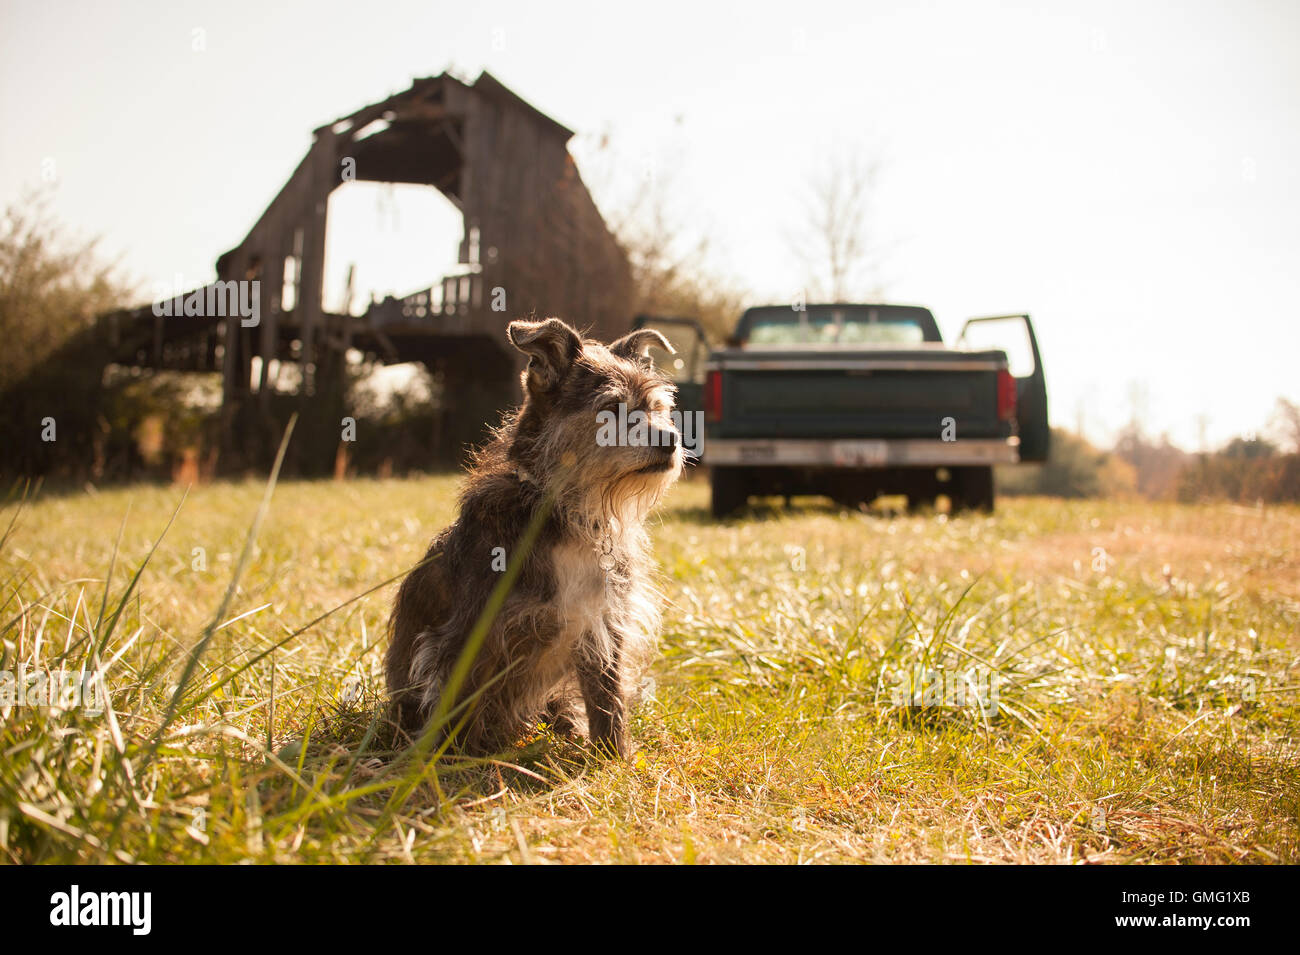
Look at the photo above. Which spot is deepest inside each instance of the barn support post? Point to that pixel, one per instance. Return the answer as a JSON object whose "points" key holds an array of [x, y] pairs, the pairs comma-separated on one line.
{"points": [[322, 395]]}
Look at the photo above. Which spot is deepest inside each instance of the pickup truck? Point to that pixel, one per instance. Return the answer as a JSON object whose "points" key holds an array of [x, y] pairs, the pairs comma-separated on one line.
{"points": [[857, 401]]}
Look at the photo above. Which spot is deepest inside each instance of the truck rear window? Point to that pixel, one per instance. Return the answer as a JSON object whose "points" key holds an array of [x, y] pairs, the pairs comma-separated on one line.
{"points": [[831, 326]]}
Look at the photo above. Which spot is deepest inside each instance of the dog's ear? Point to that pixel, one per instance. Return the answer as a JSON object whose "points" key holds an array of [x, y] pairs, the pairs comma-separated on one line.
{"points": [[550, 346], [637, 345]]}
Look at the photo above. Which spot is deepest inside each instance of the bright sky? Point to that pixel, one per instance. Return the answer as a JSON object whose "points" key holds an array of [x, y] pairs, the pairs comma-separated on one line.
{"points": [[1128, 172]]}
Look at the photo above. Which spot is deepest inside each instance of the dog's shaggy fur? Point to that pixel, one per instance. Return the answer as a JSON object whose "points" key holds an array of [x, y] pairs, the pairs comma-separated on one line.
{"points": [[581, 620]]}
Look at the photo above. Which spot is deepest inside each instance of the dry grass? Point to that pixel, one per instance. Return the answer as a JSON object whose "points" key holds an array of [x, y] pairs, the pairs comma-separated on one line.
{"points": [[1146, 712]]}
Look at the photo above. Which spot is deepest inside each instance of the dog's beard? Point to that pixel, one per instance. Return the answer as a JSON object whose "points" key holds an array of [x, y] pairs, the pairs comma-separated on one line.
{"points": [[625, 495], [632, 495]]}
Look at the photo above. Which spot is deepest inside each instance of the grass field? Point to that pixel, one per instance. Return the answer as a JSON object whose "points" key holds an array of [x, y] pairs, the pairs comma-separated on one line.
{"points": [[1145, 660]]}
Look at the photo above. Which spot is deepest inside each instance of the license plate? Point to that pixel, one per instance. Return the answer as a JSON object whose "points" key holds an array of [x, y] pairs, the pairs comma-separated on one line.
{"points": [[757, 452], [859, 454]]}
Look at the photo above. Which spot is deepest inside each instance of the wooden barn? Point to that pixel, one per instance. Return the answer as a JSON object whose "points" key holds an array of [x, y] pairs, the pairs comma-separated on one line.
{"points": [[534, 244]]}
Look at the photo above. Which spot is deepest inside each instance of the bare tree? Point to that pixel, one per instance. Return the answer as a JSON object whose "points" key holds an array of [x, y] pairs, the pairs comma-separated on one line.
{"points": [[1286, 422], [670, 259], [835, 241]]}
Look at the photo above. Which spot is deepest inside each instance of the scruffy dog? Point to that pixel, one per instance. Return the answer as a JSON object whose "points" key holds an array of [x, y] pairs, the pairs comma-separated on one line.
{"points": [[581, 619]]}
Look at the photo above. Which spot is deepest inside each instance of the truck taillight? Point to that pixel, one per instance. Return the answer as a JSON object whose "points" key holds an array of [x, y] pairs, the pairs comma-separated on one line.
{"points": [[713, 396], [1006, 395]]}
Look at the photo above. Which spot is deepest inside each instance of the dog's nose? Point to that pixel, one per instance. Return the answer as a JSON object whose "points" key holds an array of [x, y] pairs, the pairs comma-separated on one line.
{"points": [[663, 437]]}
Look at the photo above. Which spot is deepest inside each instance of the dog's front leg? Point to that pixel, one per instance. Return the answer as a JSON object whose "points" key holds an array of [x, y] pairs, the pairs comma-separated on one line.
{"points": [[602, 692]]}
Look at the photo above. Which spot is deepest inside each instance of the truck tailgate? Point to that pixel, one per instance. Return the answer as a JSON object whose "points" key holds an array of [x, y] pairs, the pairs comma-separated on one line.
{"points": [[875, 394]]}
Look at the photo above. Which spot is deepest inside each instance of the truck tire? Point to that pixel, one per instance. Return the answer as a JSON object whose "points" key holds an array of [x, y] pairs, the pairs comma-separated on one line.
{"points": [[917, 503], [972, 489], [729, 490], [923, 489]]}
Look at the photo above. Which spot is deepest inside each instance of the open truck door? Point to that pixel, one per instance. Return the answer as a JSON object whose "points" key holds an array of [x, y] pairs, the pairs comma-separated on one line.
{"points": [[1014, 334], [686, 367]]}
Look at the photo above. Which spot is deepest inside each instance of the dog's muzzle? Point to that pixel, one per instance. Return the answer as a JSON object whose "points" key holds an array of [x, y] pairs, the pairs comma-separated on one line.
{"points": [[663, 445], [664, 438]]}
